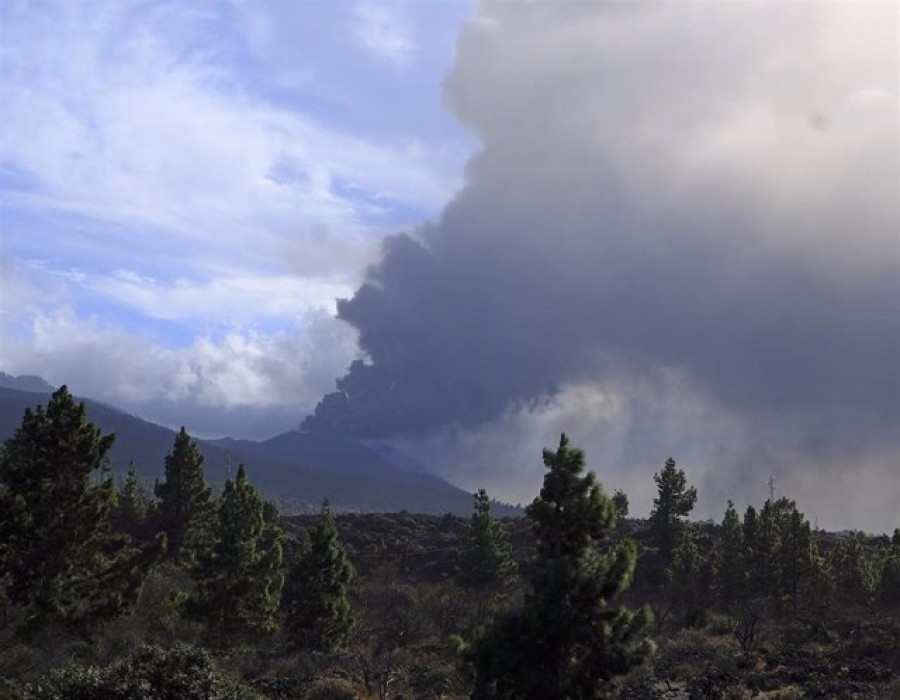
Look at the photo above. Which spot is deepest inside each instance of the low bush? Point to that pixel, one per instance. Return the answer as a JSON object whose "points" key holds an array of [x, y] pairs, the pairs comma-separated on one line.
{"points": [[183, 672], [331, 689]]}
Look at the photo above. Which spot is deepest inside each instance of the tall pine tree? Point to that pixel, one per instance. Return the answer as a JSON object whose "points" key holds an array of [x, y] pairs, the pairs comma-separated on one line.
{"points": [[184, 505], [674, 501], [689, 578], [795, 557], [60, 559], [486, 565], [132, 511], [749, 604], [316, 609], [730, 572], [568, 641], [620, 501], [238, 580], [853, 576]]}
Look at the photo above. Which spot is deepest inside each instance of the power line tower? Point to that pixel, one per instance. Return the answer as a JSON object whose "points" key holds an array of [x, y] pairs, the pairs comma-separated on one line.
{"points": [[772, 488]]}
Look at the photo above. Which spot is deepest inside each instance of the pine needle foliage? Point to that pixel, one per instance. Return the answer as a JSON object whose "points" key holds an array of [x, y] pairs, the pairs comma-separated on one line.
{"points": [[60, 560], [184, 505], [316, 610], [238, 580], [852, 572], [674, 501], [568, 640], [620, 501], [486, 564], [730, 570], [133, 509], [689, 578]]}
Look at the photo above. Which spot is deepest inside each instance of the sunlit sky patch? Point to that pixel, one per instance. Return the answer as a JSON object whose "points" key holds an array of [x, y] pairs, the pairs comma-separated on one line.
{"points": [[172, 172]]}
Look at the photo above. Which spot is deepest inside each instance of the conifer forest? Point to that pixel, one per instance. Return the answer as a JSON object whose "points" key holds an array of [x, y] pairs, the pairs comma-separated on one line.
{"points": [[114, 589]]}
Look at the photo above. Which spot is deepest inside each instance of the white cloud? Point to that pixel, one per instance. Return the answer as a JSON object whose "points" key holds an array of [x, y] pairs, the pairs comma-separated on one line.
{"points": [[382, 29], [15, 289], [119, 118], [231, 299], [249, 383]]}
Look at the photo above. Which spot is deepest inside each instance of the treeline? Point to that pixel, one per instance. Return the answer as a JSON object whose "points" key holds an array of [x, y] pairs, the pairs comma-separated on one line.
{"points": [[153, 593], [765, 567], [768, 569]]}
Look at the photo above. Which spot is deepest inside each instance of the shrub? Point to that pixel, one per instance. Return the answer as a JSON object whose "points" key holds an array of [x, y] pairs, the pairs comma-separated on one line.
{"points": [[148, 673], [331, 689]]}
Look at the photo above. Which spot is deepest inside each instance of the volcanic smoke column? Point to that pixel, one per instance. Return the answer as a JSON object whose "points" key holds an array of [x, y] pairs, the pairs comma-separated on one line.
{"points": [[701, 188]]}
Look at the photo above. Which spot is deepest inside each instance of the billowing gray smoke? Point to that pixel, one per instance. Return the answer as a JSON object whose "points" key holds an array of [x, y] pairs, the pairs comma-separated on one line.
{"points": [[656, 188], [703, 188]]}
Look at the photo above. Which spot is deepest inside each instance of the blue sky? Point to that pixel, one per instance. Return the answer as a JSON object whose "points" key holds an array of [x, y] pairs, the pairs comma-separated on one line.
{"points": [[191, 182]]}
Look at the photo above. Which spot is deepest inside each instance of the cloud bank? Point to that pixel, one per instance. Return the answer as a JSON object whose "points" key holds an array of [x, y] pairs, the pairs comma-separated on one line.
{"points": [[687, 211], [239, 382]]}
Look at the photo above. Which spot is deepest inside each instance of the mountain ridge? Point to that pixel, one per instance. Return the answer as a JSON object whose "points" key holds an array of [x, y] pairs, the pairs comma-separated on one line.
{"points": [[26, 382], [297, 469]]}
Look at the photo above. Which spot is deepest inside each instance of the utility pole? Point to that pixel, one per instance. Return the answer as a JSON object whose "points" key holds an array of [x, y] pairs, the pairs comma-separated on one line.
{"points": [[772, 488]]}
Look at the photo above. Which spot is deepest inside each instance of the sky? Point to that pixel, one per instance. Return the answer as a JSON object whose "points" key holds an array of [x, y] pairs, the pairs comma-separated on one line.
{"points": [[186, 188], [669, 229]]}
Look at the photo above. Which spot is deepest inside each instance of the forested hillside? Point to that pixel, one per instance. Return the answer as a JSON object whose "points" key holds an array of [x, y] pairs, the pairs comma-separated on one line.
{"points": [[113, 591]]}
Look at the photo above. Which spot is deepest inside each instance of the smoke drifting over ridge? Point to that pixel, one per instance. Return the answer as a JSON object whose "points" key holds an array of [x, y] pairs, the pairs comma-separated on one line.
{"points": [[707, 191]]}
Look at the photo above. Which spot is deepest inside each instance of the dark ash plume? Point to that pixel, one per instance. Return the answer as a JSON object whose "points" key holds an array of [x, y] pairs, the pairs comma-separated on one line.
{"points": [[705, 189]]}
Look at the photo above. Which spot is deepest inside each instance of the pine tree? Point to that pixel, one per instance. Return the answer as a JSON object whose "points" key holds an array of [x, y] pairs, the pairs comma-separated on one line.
{"points": [[852, 573], [487, 565], [132, 511], [239, 579], [316, 609], [620, 502], [754, 564], [184, 507], [60, 560], [674, 501], [767, 567], [795, 555], [817, 588], [730, 572], [750, 607], [689, 579], [889, 580], [568, 640]]}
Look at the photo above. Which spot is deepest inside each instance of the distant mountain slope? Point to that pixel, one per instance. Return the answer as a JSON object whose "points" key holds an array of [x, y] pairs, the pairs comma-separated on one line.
{"points": [[388, 467], [25, 382], [137, 440], [299, 469], [342, 454]]}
